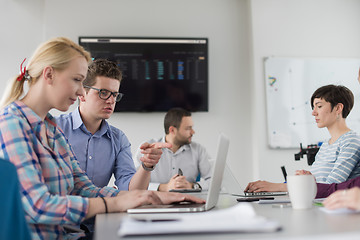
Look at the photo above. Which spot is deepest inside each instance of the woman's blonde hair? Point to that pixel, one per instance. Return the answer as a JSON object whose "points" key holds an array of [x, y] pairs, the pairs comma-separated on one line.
{"points": [[57, 53]]}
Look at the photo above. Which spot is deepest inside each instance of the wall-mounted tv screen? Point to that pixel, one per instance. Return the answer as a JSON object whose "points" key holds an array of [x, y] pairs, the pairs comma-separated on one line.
{"points": [[158, 73]]}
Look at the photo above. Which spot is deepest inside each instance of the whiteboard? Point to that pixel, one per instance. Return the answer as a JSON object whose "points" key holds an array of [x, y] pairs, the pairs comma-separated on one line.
{"points": [[290, 83]]}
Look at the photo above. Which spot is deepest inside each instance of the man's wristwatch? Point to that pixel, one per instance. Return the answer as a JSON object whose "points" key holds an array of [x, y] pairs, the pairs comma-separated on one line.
{"points": [[149, 169], [196, 186]]}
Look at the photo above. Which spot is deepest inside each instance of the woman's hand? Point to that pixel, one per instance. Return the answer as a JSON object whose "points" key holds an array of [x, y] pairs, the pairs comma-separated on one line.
{"points": [[349, 198], [302, 172], [131, 199], [172, 197], [264, 186]]}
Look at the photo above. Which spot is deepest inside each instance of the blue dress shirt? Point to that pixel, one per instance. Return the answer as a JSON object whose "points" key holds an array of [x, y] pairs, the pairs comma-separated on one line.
{"points": [[106, 152]]}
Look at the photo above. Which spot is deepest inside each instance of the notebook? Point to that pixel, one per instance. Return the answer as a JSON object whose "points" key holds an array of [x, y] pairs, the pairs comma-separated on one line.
{"points": [[213, 192]]}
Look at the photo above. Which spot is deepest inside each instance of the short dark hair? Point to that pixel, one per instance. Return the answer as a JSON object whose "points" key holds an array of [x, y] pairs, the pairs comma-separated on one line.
{"points": [[335, 94], [103, 68], [173, 118]]}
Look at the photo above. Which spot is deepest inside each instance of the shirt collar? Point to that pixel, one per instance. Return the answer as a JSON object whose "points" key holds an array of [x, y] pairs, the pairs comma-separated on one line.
{"points": [[182, 148], [36, 122], [104, 128], [33, 119], [76, 119], [77, 123]]}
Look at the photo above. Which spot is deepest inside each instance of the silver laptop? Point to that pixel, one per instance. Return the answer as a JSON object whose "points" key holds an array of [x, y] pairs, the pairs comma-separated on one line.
{"points": [[242, 193], [232, 186], [263, 194], [213, 193]]}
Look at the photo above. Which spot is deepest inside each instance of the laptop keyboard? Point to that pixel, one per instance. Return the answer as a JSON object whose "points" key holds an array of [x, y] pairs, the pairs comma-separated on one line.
{"points": [[175, 205], [264, 193]]}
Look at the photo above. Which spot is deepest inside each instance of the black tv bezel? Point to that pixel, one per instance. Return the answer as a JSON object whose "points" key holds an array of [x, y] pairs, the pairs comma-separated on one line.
{"points": [[206, 98]]}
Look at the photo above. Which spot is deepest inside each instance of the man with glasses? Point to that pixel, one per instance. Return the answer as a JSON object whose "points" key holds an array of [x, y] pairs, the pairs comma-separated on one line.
{"points": [[101, 149]]}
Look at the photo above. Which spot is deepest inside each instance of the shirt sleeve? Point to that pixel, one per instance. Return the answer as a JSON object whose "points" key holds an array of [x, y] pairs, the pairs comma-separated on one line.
{"points": [[154, 186], [40, 205], [324, 190], [204, 167], [347, 159], [83, 185], [138, 155], [124, 168]]}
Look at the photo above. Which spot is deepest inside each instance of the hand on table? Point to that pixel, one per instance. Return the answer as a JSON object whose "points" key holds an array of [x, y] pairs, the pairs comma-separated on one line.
{"points": [[349, 198], [175, 182], [264, 186], [302, 172], [131, 199]]}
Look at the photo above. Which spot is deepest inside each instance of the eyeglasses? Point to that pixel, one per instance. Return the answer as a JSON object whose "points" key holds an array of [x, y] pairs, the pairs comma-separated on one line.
{"points": [[106, 94]]}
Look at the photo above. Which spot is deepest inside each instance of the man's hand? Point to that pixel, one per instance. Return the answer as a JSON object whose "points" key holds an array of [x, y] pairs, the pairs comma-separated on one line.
{"points": [[175, 182], [152, 152], [182, 183]]}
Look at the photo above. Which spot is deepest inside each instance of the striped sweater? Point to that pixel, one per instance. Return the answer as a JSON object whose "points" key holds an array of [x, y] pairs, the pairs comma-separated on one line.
{"points": [[338, 162]]}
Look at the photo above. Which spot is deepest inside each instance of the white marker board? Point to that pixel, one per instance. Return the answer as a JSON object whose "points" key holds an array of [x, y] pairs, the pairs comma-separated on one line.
{"points": [[290, 82]]}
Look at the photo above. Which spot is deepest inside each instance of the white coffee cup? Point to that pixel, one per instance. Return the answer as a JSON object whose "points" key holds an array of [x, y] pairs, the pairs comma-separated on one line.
{"points": [[302, 191]]}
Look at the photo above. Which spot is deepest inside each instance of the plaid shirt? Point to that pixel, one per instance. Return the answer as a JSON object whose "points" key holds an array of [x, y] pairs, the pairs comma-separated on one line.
{"points": [[54, 189]]}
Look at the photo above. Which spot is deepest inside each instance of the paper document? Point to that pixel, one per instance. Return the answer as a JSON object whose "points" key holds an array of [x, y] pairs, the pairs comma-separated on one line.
{"points": [[319, 201], [339, 211], [239, 218]]}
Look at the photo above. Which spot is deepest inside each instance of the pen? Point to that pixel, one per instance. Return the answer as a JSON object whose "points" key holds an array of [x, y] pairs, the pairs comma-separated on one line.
{"points": [[180, 172], [284, 172]]}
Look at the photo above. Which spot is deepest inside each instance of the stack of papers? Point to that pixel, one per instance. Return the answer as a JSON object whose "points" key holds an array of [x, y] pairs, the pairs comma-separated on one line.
{"points": [[276, 200], [319, 201], [339, 211], [240, 218]]}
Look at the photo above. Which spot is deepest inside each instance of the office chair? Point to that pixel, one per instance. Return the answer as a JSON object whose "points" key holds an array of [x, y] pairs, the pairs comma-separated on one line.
{"points": [[12, 219]]}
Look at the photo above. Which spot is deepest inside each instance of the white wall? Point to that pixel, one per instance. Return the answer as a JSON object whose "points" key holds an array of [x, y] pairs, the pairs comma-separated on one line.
{"points": [[224, 22], [241, 33], [295, 28], [21, 29]]}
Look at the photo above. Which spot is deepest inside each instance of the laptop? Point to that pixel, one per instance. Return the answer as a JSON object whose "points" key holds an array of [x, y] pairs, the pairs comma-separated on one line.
{"points": [[233, 187], [262, 194], [213, 192]]}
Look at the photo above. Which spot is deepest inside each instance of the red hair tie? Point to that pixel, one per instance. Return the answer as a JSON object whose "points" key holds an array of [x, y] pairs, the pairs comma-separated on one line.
{"points": [[22, 71]]}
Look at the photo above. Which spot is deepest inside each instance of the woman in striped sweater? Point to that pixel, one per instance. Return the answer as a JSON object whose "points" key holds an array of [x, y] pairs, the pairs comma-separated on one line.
{"points": [[338, 158]]}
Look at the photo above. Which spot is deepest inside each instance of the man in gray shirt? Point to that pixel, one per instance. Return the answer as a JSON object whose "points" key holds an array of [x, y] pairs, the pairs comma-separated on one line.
{"points": [[191, 158]]}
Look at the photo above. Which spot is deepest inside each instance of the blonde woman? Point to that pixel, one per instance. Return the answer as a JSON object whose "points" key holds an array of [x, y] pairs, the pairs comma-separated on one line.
{"points": [[54, 190]]}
